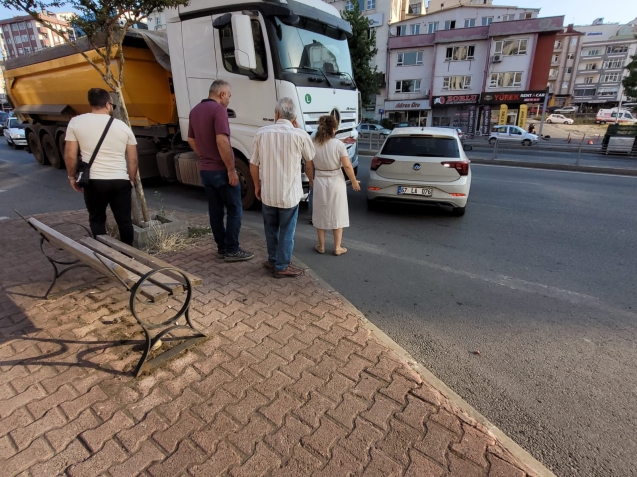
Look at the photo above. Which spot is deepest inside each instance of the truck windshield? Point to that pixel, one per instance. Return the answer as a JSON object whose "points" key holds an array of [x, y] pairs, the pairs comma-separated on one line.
{"points": [[312, 46]]}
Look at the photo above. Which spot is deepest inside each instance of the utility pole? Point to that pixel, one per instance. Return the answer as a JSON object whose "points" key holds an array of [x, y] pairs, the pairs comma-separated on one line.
{"points": [[546, 100], [619, 106]]}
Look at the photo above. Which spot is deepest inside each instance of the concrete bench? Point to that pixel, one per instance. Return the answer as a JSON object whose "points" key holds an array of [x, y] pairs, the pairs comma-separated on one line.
{"points": [[148, 279]]}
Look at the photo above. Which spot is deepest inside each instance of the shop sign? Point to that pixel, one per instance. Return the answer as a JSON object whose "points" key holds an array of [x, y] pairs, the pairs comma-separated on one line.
{"points": [[406, 105], [453, 99], [472, 120], [375, 20], [518, 97], [486, 120], [522, 115], [504, 112]]}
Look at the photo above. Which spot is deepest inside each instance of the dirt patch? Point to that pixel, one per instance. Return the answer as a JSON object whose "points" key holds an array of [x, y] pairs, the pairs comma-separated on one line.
{"points": [[576, 131]]}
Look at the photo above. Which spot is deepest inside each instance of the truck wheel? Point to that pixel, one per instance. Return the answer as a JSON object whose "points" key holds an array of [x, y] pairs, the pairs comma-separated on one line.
{"points": [[51, 151], [36, 149], [61, 144], [248, 197]]}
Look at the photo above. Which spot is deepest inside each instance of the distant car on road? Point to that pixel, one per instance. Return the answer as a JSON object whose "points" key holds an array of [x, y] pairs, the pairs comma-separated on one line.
{"points": [[3, 119], [14, 133], [566, 109], [505, 133], [559, 119], [458, 130], [367, 130], [421, 165]]}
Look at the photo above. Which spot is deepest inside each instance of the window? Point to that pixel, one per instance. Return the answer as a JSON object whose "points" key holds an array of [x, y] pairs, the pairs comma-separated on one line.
{"points": [[421, 146], [415, 29], [456, 82], [20, 51], [158, 21], [611, 78], [25, 38], [553, 73], [569, 70], [410, 59], [525, 16], [14, 27], [401, 30], [558, 45], [584, 92], [509, 79], [33, 37], [573, 41], [507, 18], [617, 49], [511, 47], [450, 24], [407, 86], [460, 53], [414, 9], [590, 66], [27, 49], [608, 91], [564, 84], [470, 22], [227, 51], [588, 80], [613, 64], [22, 26], [9, 40], [371, 4], [556, 59], [432, 27], [571, 56], [487, 21], [349, 6], [372, 32], [590, 52], [18, 39]]}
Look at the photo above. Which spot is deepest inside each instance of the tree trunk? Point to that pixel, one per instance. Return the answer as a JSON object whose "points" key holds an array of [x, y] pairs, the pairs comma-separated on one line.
{"points": [[122, 113]]}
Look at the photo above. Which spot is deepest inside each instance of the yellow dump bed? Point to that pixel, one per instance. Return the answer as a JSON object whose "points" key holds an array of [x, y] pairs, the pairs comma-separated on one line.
{"points": [[51, 85]]}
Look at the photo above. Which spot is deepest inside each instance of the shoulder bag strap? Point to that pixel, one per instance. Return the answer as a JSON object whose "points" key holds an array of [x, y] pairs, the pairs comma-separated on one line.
{"points": [[99, 143]]}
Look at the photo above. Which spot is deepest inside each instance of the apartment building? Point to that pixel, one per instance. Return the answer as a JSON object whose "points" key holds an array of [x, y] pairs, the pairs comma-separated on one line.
{"points": [[23, 35], [589, 64], [469, 66]]}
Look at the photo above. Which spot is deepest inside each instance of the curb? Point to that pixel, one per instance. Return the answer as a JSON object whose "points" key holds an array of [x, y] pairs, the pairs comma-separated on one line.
{"points": [[509, 444], [618, 171]]}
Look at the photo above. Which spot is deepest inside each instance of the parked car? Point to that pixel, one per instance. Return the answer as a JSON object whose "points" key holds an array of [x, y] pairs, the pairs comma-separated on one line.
{"points": [[610, 116], [421, 165], [14, 133], [458, 130], [559, 119], [566, 109], [512, 134], [367, 130]]}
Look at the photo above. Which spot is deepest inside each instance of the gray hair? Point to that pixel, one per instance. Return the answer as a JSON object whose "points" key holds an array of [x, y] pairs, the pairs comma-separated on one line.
{"points": [[217, 86], [285, 108]]}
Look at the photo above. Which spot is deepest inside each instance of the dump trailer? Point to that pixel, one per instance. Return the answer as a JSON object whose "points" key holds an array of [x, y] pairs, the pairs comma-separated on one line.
{"points": [[265, 49]]}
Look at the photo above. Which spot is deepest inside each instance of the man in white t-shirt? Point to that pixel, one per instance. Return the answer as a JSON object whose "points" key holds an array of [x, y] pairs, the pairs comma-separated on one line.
{"points": [[114, 169]]}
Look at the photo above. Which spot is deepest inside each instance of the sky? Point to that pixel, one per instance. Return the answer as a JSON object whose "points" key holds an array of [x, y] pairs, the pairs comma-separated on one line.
{"points": [[579, 12]]}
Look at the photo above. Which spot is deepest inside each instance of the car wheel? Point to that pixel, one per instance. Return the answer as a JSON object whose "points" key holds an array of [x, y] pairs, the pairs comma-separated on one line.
{"points": [[10, 143], [248, 197], [549, 121], [526, 142], [458, 211], [492, 141]]}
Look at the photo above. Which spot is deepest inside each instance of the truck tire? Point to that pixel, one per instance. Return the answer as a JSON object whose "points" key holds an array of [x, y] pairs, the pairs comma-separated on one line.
{"points": [[36, 148], [61, 144], [51, 151], [248, 198]]}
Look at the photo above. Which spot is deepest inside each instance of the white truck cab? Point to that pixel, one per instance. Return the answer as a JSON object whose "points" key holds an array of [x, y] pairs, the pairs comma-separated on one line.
{"points": [[266, 50]]}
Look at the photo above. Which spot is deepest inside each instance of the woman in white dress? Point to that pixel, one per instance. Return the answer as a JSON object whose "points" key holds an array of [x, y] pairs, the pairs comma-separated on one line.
{"points": [[328, 184]]}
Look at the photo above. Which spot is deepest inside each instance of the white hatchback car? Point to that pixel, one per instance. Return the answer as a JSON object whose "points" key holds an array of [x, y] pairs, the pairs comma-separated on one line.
{"points": [[559, 119], [14, 133], [421, 165]]}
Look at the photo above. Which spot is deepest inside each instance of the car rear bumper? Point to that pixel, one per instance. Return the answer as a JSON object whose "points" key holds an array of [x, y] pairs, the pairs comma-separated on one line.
{"points": [[388, 191]]}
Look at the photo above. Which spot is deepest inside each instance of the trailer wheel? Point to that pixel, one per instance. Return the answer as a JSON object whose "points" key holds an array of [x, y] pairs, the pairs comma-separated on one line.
{"points": [[36, 149], [61, 144], [51, 151], [248, 197]]}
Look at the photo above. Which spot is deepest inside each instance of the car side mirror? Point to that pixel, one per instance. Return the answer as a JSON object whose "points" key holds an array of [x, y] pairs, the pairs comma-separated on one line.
{"points": [[244, 52], [467, 147]]}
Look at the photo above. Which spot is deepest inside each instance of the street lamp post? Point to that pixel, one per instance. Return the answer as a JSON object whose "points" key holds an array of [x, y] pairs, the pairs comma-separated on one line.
{"points": [[619, 105], [546, 100]]}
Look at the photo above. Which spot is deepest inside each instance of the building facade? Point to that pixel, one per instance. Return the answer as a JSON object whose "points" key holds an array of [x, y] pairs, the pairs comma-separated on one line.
{"points": [[489, 71], [23, 35]]}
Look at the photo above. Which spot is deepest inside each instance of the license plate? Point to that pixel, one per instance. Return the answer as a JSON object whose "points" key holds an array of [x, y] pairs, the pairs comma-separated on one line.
{"points": [[421, 191]]}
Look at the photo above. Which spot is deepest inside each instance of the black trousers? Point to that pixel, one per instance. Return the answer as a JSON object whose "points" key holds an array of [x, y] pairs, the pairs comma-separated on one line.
{"points": [[117, 193]]}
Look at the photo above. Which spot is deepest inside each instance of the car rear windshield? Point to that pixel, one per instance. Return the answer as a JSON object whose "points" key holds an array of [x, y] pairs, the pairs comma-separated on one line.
{"points": [[421, 146]]}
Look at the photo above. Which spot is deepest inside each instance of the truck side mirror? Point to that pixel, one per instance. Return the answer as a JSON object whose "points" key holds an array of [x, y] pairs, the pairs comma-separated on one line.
{"points": [[244, 52]]}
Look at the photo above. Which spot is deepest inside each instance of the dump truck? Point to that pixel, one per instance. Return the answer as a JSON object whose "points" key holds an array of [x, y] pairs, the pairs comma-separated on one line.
{"points": [[265, 49]]}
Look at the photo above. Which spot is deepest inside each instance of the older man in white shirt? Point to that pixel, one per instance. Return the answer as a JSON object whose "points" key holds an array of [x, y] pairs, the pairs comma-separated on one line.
{"points": [[275, 167]]}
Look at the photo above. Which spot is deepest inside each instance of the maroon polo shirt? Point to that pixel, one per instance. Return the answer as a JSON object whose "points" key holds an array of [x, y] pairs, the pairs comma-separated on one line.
{"points": [[208, 119]]}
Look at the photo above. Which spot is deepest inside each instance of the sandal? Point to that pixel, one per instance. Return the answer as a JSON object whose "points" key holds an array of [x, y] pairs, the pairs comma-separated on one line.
{"points": [[340, 252], [319, 249]]}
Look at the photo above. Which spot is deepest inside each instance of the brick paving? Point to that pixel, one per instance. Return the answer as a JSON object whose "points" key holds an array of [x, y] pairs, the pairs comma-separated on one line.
{"points": [[289, 383]]}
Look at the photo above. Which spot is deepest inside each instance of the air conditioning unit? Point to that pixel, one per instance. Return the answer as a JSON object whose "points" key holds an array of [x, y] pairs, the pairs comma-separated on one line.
{"points": [[497, 58]]}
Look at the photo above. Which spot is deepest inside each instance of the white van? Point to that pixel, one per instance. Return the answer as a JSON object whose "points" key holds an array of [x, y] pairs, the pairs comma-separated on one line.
{"points": [[610, 116]]}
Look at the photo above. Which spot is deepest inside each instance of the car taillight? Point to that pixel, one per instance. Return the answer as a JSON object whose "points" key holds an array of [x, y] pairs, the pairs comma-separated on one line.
{"points": [[461, 166], [379, 161]]}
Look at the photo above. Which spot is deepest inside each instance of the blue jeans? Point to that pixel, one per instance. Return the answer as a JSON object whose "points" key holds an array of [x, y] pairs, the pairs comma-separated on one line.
{"points": [[280, 225], [221, 195]]}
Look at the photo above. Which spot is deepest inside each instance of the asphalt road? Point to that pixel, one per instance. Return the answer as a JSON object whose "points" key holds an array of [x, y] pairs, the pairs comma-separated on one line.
{"points": [[539, 276]]}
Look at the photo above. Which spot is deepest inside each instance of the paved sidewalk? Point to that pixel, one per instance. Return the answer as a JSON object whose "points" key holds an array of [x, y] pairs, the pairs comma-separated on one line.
{"points": [[289, 383]]}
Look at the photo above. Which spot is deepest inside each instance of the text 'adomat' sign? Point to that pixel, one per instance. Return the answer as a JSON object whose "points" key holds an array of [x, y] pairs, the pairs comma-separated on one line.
{"points": [[453, 99], [517, 97]]}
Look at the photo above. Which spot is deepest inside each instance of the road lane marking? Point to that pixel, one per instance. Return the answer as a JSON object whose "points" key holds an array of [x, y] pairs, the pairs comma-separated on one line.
{"points": [[4, 218], [554, 170], [512, 182]]}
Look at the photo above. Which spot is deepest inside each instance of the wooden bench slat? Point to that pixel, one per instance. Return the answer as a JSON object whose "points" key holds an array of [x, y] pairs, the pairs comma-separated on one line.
{"points": [[104, 265], [146, 259], [167, 283]]}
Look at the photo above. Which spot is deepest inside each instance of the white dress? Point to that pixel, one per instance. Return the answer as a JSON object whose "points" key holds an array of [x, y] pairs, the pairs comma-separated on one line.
{"points": [[330, 190]]}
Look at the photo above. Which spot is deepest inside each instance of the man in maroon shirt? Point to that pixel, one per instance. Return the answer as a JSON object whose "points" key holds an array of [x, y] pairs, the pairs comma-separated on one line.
{"points": [[209, 137]]}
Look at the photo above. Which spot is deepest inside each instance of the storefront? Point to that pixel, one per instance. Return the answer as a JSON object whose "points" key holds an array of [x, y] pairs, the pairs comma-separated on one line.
{"points": [[414, 112], [458, 110], [508, 108]]}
